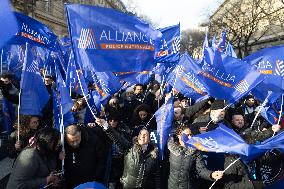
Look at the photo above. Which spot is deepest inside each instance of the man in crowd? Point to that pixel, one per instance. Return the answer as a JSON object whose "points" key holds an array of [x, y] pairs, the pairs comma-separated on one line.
{"points": [[85, 158]]}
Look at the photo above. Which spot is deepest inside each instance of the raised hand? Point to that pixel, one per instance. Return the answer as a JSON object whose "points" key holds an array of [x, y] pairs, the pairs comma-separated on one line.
{"points": [[216, 175]]}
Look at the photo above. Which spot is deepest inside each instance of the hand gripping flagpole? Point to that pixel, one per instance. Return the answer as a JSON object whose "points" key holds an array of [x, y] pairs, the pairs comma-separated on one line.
{"points": [[218, 115], [225, 170]]}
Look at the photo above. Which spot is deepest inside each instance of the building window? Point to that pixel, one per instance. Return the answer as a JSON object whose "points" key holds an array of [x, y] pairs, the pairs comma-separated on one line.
{"points": [[47, 5]]}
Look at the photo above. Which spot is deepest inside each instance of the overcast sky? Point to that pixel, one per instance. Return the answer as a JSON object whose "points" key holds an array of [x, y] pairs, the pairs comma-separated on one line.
{"points": [[190, 13]]}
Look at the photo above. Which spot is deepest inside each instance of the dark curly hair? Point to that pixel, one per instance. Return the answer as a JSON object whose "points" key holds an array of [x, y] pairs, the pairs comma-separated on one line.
{"points": [[24, 123], [47, 140], [135, 117]]}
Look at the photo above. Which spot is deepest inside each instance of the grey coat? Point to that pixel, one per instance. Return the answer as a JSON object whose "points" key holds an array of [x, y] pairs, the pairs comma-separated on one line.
{"points": [[141, 169], [30, 170], [185, 163]]}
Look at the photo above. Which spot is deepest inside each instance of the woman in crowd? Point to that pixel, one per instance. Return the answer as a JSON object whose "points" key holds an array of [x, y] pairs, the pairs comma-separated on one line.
{"points": [[141, 164], [29, 125], [142, 117], [186, 162], [35, 167]]}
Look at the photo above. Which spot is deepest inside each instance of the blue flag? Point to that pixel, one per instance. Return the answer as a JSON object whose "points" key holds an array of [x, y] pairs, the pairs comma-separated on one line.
{"points": [[272, 108], [186, 79], [269, 114], [164, 118], [230, 79], [34, 95], [222, 43], [66, 48], [93, 108], [13, 59], [64, 98], [33, 32], [230, 51], [261, 94], [106, 84], [269, 62], [43, 54], [134, 77], [160, 71], [73, 75], [214, 44], [225, 140], [211, 56], [91, 185], [276, 141], [68, 117], [9, 115], [206, 43], [118, 41], [220, 140], [169, 47], [8, 22]]}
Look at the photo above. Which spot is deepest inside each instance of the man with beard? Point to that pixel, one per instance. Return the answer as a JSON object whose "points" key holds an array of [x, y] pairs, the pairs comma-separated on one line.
{"points": [[237, 175], [215, 161]]}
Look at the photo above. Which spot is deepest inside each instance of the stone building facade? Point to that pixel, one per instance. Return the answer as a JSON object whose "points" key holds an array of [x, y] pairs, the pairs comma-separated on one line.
{"points": [[51, 12]]}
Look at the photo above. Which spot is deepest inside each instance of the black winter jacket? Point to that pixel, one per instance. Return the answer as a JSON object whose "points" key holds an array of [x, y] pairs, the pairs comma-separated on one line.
{"points": [[86, 163], [120, 145]]}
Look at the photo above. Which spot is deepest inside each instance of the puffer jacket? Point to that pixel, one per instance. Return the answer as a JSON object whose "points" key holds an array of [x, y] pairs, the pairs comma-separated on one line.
{"points": [[141, 168], [185, 164]]}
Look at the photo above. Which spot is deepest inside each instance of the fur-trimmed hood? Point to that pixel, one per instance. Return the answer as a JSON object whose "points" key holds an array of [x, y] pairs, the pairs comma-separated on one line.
{"points": [[151, 148]]}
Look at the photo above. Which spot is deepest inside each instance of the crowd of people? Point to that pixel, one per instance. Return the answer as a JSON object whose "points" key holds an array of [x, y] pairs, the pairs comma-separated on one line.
{"points": [[115, 147]]}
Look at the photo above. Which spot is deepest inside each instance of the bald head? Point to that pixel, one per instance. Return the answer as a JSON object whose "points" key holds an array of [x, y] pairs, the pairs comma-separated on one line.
{"points": [[73, 136]]}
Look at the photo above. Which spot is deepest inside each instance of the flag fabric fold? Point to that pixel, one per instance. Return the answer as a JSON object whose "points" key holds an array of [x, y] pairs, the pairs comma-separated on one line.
{"points": [[118, 41], [220, 140], [164, 118], [34, 95], [168, 50], [7, 20]]}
